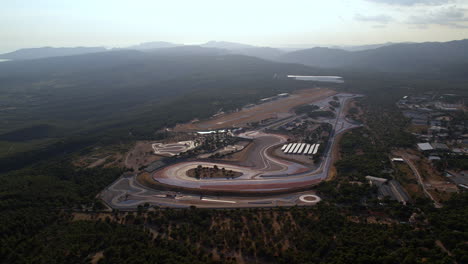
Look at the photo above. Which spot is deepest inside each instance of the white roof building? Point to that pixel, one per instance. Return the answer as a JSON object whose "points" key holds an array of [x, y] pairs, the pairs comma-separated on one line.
{"points": [[425, 146]]}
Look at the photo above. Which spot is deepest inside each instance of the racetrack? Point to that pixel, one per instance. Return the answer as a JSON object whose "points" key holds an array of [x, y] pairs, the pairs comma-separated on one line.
{"points": [[266, 181], [264, 165], [261, 172]]}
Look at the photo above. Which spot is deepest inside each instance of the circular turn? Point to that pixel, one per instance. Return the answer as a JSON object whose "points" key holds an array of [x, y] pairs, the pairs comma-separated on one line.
{"points": [[309, 198]]}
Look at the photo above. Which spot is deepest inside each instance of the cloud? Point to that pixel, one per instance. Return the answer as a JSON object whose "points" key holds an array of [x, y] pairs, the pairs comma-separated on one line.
{"points": [[379, 26], [412, 2], [446, 16], [421, 26], [382, 19]]}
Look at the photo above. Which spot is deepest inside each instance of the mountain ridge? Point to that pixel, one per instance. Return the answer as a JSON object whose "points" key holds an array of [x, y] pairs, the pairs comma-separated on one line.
{"points": [[402, 57], [47, 52]]}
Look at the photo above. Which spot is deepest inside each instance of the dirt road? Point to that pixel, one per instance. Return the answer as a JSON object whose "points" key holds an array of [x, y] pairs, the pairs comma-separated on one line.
{"points": [[420, 180]]}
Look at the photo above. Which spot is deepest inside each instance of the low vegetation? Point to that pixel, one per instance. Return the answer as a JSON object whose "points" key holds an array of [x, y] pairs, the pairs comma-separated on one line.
{"points": [[215, 172], [304, 109]]}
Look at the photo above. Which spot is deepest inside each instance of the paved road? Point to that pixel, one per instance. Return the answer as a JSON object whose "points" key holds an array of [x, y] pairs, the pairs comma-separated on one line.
{"points": [[127, 194]]}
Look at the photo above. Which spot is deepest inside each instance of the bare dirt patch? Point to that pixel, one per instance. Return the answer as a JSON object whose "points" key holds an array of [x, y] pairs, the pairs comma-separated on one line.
{"points": [[99, 162], [96, 257], [142, 154], [109, 156]]}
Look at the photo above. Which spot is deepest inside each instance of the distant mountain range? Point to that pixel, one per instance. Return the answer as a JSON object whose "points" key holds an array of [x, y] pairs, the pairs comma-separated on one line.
{"points": [[363, 47], [45, 52], [245, 49], [388, 57], [226, 45], [404, 57], [188, 50]]}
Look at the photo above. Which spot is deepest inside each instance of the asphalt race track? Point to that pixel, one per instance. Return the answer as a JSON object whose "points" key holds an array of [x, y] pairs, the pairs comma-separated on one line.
{"points": [[268, 174], [261, 173]]}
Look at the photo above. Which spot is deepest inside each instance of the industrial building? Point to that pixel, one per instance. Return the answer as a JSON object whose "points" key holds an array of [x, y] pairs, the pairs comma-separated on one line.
{"points": [[390, 188], [424, 146]]}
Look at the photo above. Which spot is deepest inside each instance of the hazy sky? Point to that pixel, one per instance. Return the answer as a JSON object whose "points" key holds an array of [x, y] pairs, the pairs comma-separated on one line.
{"points": [[117, 23]]}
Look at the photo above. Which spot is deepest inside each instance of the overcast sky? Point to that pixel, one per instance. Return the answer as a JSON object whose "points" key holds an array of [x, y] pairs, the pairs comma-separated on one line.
{"points": [[117, 23]]}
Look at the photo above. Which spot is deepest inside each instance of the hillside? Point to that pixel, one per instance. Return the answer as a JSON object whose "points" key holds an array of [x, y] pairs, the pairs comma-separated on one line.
{"points": [[405, 57], [260, 52], [77, 93], [266, 53], [189, 50], [220, 48]]}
